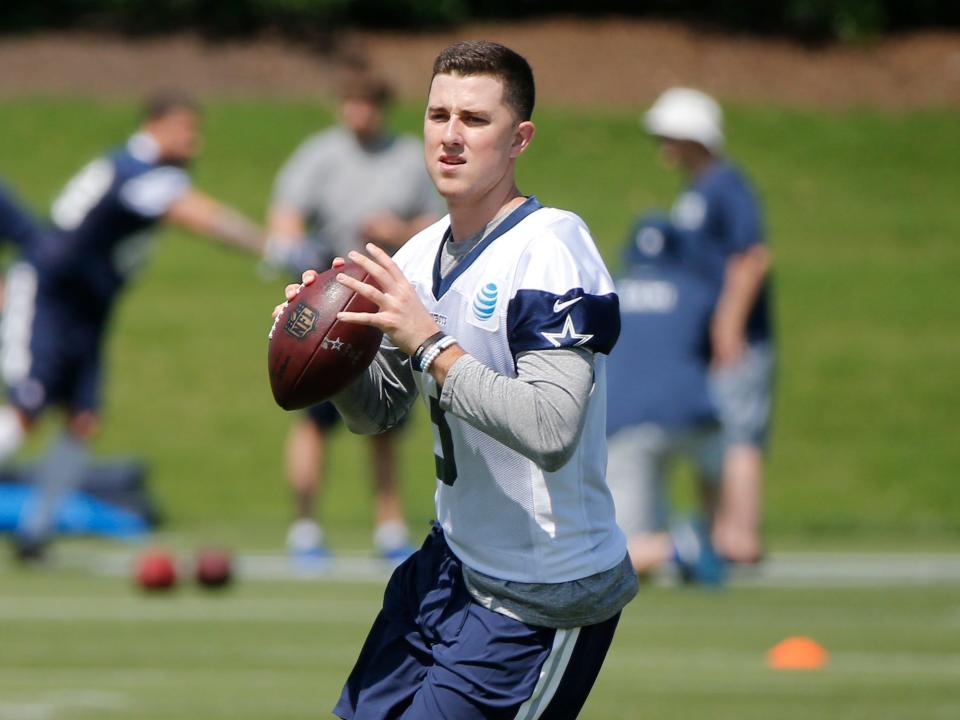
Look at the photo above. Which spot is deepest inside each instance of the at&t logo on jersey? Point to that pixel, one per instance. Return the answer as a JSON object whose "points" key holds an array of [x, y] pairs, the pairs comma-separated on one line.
{"points": [[483, 312], [485, 303]]}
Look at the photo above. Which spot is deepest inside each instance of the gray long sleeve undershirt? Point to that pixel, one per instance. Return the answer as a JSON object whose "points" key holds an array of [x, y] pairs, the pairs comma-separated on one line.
{"points": [[540, 413]]}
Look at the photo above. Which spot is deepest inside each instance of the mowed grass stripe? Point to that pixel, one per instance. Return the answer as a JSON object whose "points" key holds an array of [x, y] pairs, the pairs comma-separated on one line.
{"points": [[719, 661], [160, 610], [678, 653]]}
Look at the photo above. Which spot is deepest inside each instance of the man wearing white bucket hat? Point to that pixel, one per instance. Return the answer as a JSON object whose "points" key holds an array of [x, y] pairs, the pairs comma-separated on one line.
{"points": [[719, 206]]}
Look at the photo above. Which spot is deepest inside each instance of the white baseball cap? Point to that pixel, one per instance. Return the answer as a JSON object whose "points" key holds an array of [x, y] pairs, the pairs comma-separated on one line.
{"points": [[686, 114]]}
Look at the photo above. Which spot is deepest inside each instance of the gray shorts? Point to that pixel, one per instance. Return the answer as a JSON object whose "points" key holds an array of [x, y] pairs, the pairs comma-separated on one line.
{"points": [[638, 458], [744, 396]]}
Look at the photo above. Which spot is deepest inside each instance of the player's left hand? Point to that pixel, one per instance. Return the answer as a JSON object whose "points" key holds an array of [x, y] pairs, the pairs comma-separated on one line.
{"points": [[401, 315]]}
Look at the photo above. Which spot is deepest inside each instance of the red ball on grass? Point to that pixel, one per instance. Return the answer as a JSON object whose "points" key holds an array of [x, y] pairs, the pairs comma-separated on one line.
{"points": [[213, 568], [156, 570]]}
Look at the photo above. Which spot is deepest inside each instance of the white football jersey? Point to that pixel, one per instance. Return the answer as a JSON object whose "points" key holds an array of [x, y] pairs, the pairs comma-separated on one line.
{"points": [[536, 282]]}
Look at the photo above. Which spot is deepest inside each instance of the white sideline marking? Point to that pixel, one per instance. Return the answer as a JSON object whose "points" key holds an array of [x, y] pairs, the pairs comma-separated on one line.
{"points": [[343, 567], [851, 569], [51, 706], [788, 569], [166, 607], [28, 711]]}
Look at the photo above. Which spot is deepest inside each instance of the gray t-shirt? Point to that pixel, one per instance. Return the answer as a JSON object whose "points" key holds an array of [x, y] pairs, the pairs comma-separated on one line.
{"points": [[337, 184]]}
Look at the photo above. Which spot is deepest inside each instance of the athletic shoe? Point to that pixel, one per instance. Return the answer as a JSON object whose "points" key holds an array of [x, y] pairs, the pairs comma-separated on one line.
{"points": [[398, 554], [28, 550], [305, 543], [392, 542], [694, 554]]}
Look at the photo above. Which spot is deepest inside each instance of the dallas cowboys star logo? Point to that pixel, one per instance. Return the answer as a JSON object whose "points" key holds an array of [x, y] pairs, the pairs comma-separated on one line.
{"points": [[569, 332], [337, 344]]}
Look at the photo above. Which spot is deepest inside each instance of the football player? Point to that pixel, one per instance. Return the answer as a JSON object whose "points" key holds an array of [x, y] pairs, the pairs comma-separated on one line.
{"points": [[62, 290], [499, 317]]}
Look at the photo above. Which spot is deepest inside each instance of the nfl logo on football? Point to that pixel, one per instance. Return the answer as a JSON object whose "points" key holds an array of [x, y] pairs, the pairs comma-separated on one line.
{"points": [[302, 320]]}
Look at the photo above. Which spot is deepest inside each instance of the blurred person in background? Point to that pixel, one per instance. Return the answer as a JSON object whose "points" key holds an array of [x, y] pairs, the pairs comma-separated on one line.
{"points": [[661, 409], [345, 186], [720, 207], [61, 291]]}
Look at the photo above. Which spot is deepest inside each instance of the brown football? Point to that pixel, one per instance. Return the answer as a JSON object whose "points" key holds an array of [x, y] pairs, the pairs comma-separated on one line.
{"points": [[311, 354]]}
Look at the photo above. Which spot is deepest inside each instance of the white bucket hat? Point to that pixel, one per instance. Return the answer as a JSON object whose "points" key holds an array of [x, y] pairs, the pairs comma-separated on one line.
{"points": [[686, 114]]}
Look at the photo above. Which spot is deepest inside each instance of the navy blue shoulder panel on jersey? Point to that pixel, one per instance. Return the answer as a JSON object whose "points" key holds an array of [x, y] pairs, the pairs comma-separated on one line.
{"points": [[540, 320]]}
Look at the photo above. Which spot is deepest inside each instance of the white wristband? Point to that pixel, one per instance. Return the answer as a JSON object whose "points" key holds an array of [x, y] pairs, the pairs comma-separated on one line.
{"points": [[438, 347]]}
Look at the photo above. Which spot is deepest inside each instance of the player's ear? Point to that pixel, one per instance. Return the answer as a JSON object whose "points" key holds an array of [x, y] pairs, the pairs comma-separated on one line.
{"points": [[522, 137]]}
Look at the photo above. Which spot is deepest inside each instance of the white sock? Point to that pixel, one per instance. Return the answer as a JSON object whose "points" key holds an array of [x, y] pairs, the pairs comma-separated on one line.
{"points": [[304, 535], [58, 474], [390, 535]]}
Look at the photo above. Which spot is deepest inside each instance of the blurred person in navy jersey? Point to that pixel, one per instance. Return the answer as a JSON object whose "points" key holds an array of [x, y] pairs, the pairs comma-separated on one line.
{"points": [[350, 184], [62, 289], [719, 208], [659, 408]]}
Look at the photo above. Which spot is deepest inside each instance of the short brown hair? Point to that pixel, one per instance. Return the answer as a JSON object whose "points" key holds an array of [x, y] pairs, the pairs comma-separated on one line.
{"points": [[163, 103], [365, 85], [481, 57]]}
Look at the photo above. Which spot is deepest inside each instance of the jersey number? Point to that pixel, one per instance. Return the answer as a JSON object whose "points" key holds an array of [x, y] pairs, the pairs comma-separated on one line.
{"points": [[446, 465]]}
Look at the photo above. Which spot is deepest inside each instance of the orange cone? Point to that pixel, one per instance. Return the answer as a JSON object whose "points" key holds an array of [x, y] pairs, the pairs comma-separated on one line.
{"points": [[797, 653]]}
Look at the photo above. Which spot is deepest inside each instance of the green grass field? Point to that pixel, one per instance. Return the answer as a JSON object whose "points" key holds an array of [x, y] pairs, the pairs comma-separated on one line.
{"points": [[76, 647], [863, 220]]}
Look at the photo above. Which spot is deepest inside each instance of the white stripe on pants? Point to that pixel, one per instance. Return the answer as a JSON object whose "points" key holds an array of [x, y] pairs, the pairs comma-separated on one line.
{"points": [[550, 675]]}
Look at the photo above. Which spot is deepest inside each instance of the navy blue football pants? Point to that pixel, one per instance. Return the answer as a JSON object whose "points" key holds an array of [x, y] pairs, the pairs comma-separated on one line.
{"points": [[433, 653], [51, 349]]}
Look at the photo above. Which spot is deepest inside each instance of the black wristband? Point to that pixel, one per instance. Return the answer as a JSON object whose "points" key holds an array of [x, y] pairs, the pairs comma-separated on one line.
{"points": [[424, 346]]}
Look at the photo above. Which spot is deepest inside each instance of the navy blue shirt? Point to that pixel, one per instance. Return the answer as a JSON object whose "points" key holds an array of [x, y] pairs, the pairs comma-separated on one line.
{"points": [[100, 221], [721, 208], [657, 373]]}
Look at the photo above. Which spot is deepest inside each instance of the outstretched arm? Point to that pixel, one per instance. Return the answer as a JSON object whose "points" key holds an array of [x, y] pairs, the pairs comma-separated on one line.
{"points": [[202, 214]]}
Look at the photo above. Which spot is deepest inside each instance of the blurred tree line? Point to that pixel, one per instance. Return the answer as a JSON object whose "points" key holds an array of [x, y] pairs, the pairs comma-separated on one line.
{"points": [[811, 20]]}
